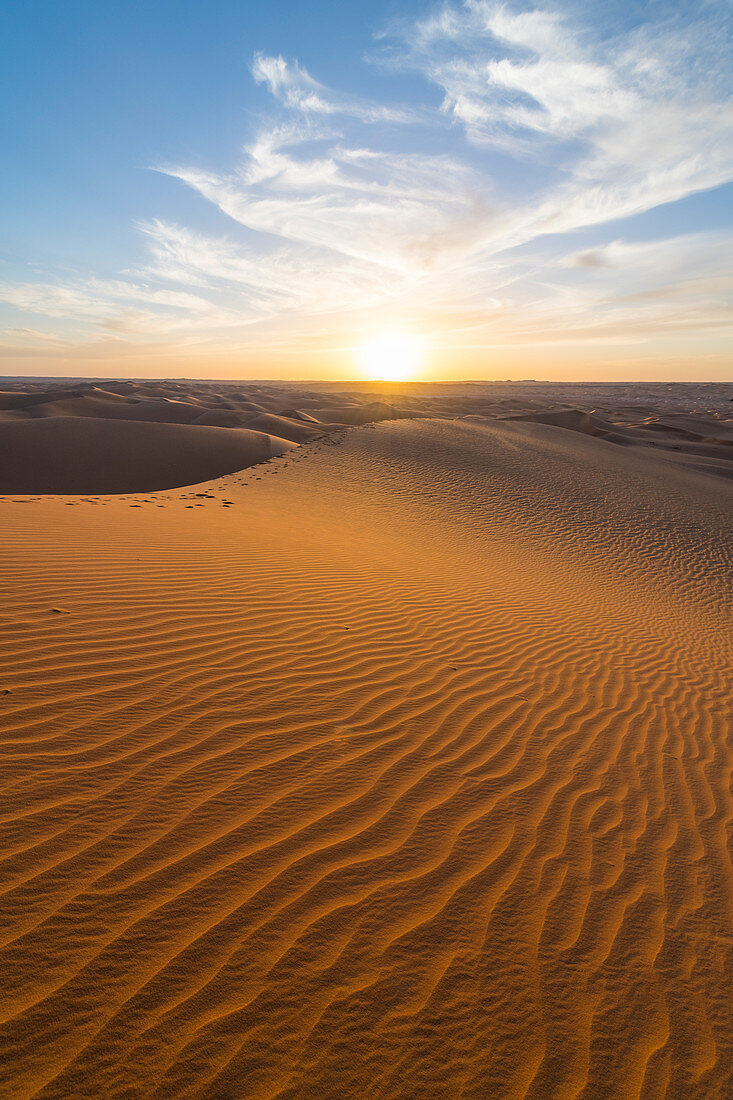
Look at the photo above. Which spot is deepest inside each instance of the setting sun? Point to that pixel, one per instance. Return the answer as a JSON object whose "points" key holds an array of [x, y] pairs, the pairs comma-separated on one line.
{"points": [[391, 356]]}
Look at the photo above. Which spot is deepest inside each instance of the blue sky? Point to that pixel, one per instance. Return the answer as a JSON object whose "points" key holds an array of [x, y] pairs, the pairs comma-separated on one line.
{"points": [[235, 189]]}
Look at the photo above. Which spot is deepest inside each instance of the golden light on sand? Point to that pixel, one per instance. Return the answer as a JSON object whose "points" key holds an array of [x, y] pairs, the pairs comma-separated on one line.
{"points": [[481, 776], [391, 356]]}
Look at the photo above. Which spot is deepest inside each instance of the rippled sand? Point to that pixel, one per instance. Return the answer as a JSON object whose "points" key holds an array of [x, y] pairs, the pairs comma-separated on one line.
{"points": [[398, 766]]}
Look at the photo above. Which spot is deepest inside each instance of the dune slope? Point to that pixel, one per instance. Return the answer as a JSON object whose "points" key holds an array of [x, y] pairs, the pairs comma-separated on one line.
{"points": [[397, 767], [64, 454]]}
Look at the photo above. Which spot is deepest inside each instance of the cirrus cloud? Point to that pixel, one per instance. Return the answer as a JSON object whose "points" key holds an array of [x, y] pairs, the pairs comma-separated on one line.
{"points": [[547, 124]]}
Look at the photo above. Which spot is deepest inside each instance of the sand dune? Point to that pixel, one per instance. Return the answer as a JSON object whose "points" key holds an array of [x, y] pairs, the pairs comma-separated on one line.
{"points": [[398, 766], [89, 455], [146, 409], [574, 420]]}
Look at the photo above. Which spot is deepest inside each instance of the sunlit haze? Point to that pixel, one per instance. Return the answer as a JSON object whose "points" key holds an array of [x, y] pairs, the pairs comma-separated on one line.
{"points": [[232, 190], [392, 357]]}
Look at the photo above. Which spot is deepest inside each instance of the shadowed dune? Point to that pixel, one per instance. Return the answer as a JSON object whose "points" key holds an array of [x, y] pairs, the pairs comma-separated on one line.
{"points": [[573, 420], [88, 455], [296, 430], [688, 438], [399, 766]]}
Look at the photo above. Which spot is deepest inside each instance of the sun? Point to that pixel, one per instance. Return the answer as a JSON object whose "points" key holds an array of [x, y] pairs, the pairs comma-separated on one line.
{"points": [[391, 356]]}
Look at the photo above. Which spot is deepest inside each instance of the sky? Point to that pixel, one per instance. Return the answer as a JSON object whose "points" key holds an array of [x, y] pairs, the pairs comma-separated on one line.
{"points": [[247, 190]]}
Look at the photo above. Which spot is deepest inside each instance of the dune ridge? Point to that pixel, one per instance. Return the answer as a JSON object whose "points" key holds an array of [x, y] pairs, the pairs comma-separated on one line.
{"points": [[402, 768]]}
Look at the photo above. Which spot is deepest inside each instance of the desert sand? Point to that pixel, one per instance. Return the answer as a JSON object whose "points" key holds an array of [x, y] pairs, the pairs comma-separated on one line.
{"points": [[373, 742]]}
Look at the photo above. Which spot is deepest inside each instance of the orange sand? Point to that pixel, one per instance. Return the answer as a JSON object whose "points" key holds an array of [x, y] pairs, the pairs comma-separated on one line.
{"points": [[407, 773]]}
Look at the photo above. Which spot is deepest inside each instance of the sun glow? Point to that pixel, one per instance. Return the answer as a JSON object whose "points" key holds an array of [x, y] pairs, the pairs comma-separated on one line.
{"points": [[391, 356]]}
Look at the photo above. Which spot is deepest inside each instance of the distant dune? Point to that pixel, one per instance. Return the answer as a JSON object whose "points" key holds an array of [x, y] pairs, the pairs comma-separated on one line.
{"points": [[397, 765], [693, 427], [66, 454]]}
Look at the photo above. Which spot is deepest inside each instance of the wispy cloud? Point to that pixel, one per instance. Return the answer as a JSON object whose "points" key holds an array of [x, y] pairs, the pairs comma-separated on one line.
{"points": [[546, 124], [599, 128], [630, 120], [398, 211], [635, 288], [258, 285], [294, 87], [118, 305], [95, 297]]}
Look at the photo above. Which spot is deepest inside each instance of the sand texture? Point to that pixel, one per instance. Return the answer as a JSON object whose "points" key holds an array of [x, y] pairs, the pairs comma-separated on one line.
{"points": [[398, 765]]}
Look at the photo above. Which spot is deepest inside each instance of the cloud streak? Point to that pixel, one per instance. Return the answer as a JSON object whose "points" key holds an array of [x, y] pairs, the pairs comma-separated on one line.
{"points": [[293, 86]]}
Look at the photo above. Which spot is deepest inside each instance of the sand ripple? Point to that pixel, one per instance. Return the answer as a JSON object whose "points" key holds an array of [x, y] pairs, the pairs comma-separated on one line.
{"points": [[408, 775]]}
